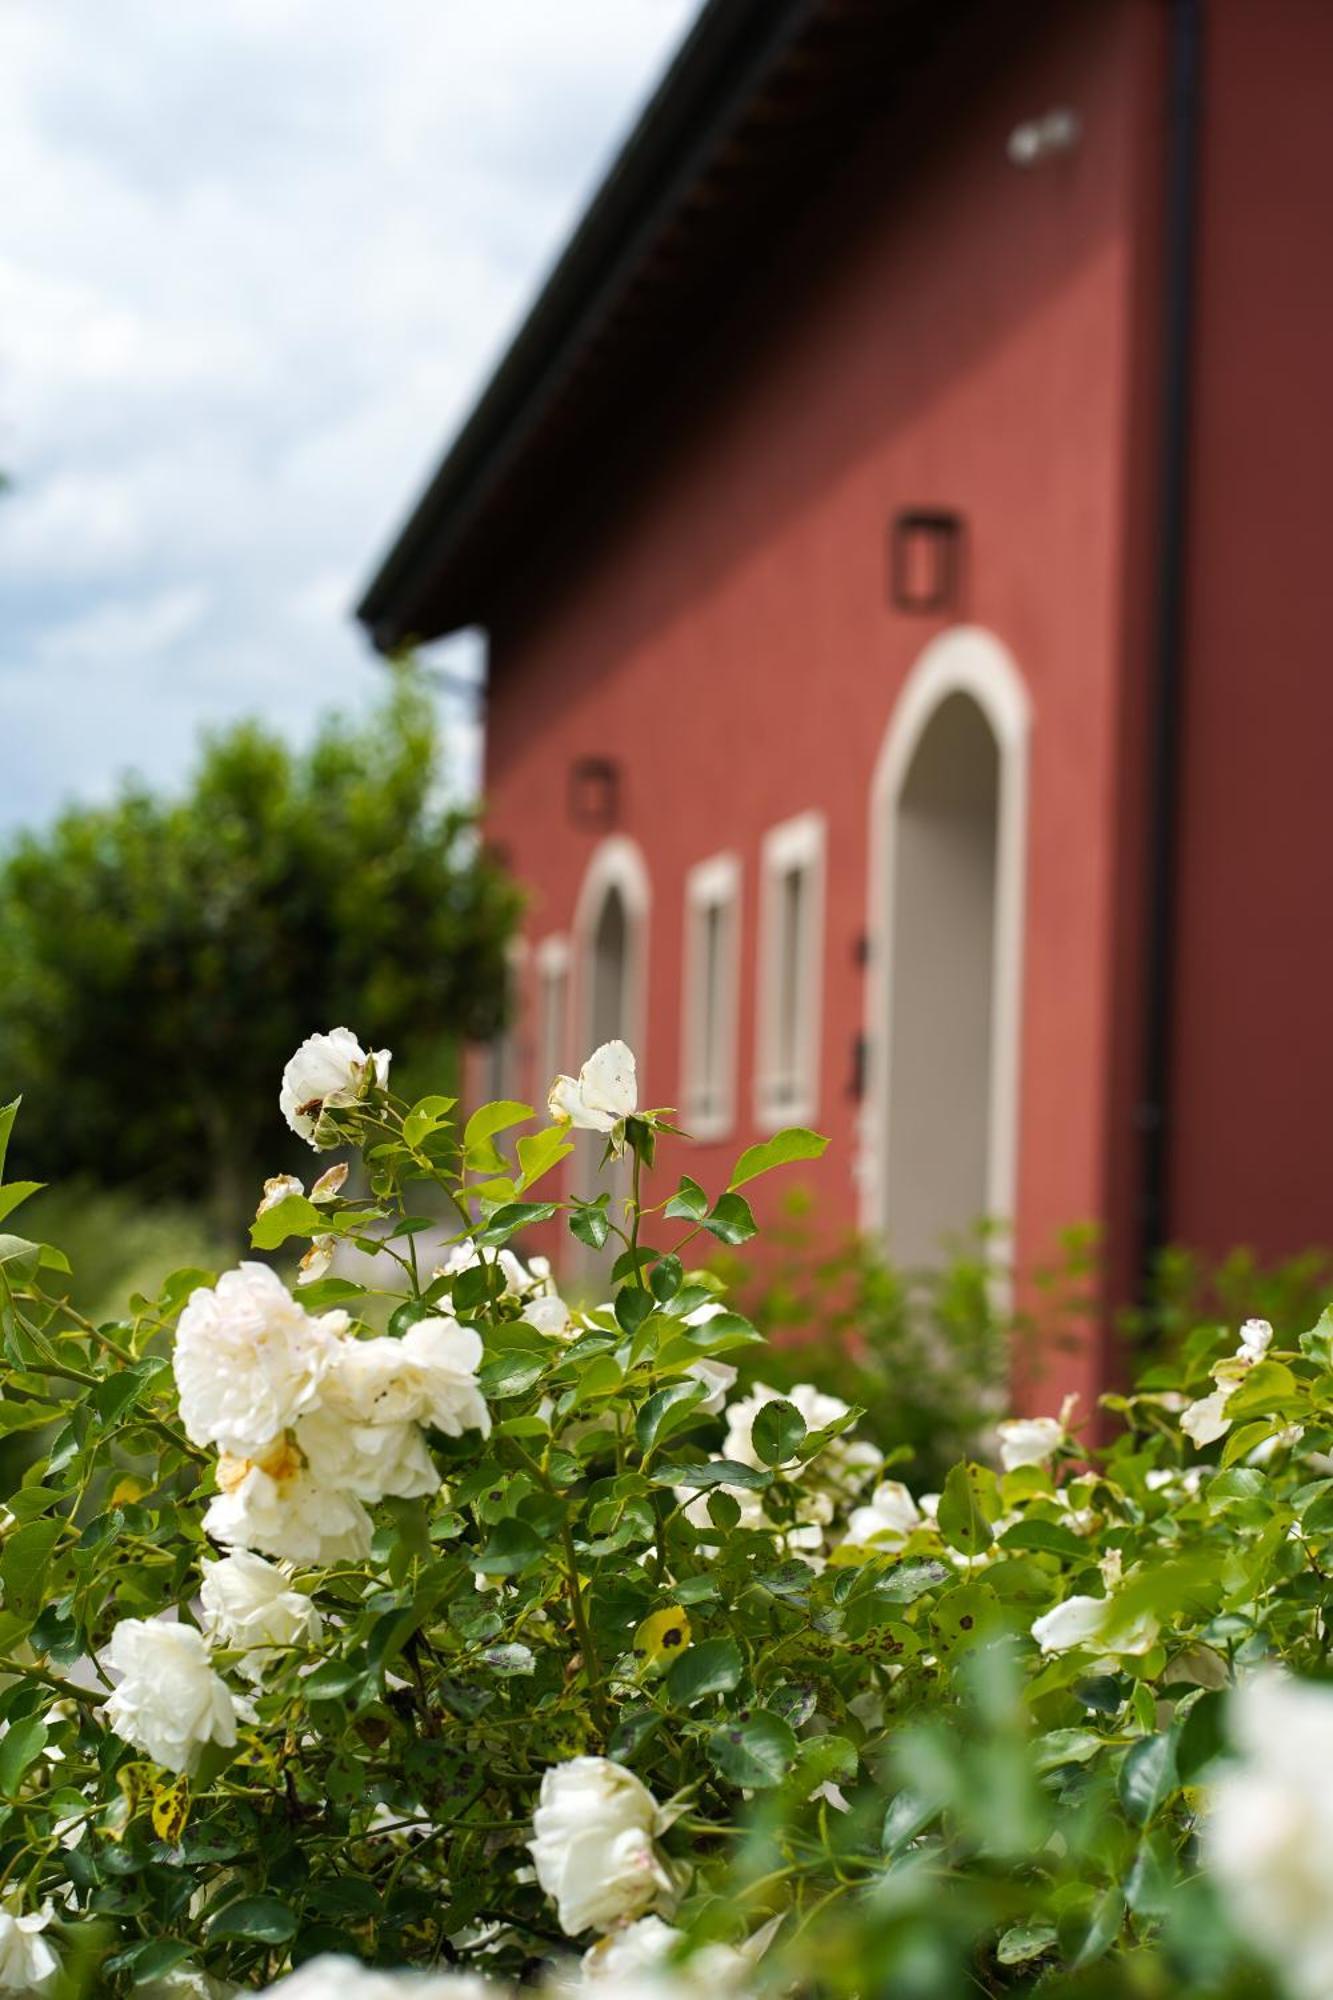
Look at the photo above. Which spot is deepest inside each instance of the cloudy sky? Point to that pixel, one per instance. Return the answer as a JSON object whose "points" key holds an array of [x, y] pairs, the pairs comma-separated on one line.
{"points": [[255, 258]]}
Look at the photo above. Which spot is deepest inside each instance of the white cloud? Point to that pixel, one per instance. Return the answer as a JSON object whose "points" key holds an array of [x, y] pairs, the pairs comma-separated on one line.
{"points": [[255, 257]]}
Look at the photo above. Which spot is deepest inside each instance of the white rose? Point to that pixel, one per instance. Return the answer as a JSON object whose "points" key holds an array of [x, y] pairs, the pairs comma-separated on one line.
{"points": [[275, 1506], [465, 1256], [186, 1983], [372, 1461], [1256, 1337], [636, 1959], [429, 1377], [1028, 1440], [718, 1378], [550, 1315], [890, 1517], [329, 1977], [604, 1093], [1268, 1834], [28, 1964], [167, 1701], [328, 1072], [1203, 1422], [249, 1360], [250, 1605], [593, 1844], [1093, 1622]]}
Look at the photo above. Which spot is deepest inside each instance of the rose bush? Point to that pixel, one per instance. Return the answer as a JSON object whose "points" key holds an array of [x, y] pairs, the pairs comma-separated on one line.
{"points": [[510, 1642]]}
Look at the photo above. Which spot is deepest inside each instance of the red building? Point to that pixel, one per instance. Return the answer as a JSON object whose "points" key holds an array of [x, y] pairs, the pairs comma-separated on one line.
{"points": [[900, 529]]}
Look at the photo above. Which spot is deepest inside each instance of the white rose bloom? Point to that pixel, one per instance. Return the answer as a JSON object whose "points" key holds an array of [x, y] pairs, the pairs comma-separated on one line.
{"points": [[371, 1461], [1268, 1836], [718, 1377], [167, 1701], [593, 1844], [1028, 1440], [604, 1093], [249, 1360], [329, 1977], [844, 1465], [276, 1507], [186, 1983], [890, 1518], [28, 1963], [518, 1279], [1203, 1422], [634, 1960], [277, 1189], [331, 1071], [1091, 1622], [550, 1315], [1256, 1337], [429, 1376], [250, 1605]]}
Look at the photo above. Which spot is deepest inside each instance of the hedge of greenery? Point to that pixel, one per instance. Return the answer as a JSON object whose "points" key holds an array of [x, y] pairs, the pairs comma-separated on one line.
{"points": [[515, 1645]]}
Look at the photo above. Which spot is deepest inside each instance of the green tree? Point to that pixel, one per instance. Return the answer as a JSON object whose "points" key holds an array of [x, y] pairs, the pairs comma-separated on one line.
{"points": [[160, 959]]}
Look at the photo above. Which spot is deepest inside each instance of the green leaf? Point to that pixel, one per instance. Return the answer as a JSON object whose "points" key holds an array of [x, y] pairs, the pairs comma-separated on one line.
{"points": [[755, 1754], [794, 1142], [907, 1581], [15, 1193], [1147, 1776], [538, 1152], [1268, 1385], [667, 1279], [1022, 1942], [968, 1505], [509, 1374], [731, 1219], [688, 1204], [777, 1430], [907, 1816], [22, 1745], [1047, 1537], [1065, 1746], [426, 1117], [334, 1679], [714, 1666], [292, 1216], [18, 1257], [262, 1918], [483, 1125], [8, 1113], [717, 1472], [515, 1215], [25, 1561], [1240, 1442], [680, 1397], [590, 1224], [512, 1548]]}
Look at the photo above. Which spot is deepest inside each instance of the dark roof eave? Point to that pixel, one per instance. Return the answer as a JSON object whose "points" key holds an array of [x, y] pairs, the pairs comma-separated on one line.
{"points": [[716, 71]]}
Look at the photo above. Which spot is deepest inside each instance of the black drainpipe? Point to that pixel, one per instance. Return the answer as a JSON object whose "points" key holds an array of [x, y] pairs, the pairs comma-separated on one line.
{"points": [[1185, 33]]}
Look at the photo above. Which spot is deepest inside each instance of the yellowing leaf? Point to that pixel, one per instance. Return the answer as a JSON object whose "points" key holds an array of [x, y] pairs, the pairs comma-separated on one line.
{"points": [[127, 1490], [662, 1638], [171, 1809]]}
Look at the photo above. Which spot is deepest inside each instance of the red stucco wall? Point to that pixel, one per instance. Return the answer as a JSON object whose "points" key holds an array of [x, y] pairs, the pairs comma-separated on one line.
{"points": [[941, 328], [1253, 1113]]}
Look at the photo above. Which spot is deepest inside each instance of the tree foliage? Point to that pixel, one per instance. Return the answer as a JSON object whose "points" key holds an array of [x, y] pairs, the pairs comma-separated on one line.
{"points": [[152, 948]]}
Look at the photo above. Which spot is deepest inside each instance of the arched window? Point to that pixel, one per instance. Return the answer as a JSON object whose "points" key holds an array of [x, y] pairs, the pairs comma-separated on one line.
{"points": [[609, 1001], [946, 918]]}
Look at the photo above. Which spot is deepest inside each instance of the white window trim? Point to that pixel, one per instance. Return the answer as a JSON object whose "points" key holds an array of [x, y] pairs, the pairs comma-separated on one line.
{"points": [[709, 885], [966, 660], [617, 864], [552, 959], [795, 843]]}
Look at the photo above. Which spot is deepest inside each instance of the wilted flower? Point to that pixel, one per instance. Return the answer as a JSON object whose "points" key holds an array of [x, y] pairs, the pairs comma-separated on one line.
{"points": [[316, 1260], [1028, 1440], [249, 1604], [249, 1360], [28, 1964], [1268, 1836], [890, 1517], [274, 1505], [330, 1183], [1204, 1422], [594, 1846], [278, 1188], [168, 1701], [604, 1093], [328, 1072]]}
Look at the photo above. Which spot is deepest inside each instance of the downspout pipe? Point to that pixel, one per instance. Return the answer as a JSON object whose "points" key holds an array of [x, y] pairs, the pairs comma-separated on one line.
{"points": [[1184, 87]]}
